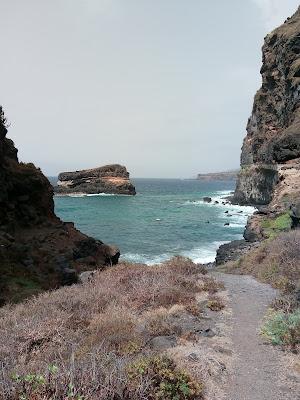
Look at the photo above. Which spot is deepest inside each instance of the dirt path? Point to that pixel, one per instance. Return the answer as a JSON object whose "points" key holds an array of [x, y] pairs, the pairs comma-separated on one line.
{"points": [[258, 371]]}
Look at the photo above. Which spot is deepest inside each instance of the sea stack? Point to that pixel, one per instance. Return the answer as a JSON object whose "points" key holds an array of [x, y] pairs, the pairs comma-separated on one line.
{"points": [[109, 179]]}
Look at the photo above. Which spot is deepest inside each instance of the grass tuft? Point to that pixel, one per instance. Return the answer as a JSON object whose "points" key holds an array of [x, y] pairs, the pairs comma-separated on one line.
{"points": [[283, 328]]}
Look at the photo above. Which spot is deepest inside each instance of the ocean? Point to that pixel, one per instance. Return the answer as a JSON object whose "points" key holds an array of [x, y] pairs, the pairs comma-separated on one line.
{"points": [[167, 217]]}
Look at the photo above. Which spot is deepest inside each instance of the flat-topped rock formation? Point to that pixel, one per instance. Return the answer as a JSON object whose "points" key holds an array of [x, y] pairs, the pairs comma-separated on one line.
{"points": [[109, 179], [218, 176], [37, 250]]}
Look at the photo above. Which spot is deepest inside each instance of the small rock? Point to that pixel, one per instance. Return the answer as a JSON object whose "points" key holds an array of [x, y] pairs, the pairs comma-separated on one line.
{"points": [[163, 342], [207, 199], [193, 357], [86, 276], [207, 333], [69, 276], [28, 262]]}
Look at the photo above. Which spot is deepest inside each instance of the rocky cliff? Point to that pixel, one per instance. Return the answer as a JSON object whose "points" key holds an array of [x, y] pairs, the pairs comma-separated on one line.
{"points": [[270, 159], [37, 250], [111, 179]]}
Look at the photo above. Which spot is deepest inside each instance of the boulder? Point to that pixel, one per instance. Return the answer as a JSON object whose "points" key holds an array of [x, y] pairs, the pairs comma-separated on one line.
{"points": [[207, 199], [295, 215], [163, 342]]}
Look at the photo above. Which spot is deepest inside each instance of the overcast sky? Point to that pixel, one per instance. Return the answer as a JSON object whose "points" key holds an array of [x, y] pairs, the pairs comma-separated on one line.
{"points": [[164, 87]]}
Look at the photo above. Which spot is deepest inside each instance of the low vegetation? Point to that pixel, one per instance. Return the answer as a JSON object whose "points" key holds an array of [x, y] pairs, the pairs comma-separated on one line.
{"points": [[282, 328], [277, 261], [273, 226], [93, 341]]}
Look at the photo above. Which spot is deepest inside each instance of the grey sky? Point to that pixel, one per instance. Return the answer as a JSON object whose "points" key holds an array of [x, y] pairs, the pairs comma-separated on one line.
{"points": [[164, 87]]}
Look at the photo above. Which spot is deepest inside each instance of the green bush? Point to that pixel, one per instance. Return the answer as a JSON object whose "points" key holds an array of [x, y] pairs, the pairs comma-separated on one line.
{"points": [[283, 328], [167, 382], [273, 226]]}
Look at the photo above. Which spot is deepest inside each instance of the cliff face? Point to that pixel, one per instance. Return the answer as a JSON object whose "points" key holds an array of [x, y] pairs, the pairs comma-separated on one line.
{"points": [[112, 179], [37, 250], [271, 149]]}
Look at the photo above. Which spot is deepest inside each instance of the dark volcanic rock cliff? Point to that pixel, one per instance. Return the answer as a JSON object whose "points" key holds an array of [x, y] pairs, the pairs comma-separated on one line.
{"points": [[270, 159], [112, 179], [37, 250]]}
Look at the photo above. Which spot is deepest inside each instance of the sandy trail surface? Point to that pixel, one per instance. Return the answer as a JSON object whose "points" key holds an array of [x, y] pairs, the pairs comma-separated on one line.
{"points": [[259, 371]]}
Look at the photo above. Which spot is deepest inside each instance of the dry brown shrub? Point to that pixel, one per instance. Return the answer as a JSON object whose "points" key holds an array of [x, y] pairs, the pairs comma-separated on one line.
{"points": [[90, 332], [275, 261], [211, 286], [116, 329], [194, 308], [157, 322], [215, 303]]}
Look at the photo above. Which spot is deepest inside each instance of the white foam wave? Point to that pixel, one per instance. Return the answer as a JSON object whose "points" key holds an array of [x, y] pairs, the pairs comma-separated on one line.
{"points": [[100, 194], [86, 194], [145, 259], [201, 255], [219, 200]]}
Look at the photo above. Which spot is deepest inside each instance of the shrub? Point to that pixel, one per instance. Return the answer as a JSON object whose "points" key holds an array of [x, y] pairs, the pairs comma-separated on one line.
{"points": [[91, 332], [273, 226], [211, 286], [275, 261], [215, 303], [167, 382], [283, 328]]}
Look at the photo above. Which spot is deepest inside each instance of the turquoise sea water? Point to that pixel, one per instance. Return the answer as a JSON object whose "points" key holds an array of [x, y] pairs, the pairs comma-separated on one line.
{"points": [[166, 217]]}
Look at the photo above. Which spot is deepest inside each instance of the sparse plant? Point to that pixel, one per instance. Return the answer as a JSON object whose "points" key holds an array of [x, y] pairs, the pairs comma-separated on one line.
{"points": [[283, 328], [215, 303], [167, 382], [211, 286]]}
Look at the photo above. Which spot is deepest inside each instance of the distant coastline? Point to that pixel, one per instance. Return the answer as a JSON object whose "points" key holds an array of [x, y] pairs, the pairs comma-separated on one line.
{"points": [[218, 176]]}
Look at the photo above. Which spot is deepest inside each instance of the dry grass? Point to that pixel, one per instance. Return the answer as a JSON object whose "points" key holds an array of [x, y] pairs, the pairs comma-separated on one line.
{"points": [[215, 303], [275, 261], [79, 340]]}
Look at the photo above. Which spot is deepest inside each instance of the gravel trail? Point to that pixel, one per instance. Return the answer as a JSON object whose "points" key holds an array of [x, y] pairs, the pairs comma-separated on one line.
{"points": [[258, 371]]}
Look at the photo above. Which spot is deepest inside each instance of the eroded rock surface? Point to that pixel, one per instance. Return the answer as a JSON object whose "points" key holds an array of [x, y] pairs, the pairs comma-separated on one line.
{"points": [[273, 129], [37, 250], [110, 179]]}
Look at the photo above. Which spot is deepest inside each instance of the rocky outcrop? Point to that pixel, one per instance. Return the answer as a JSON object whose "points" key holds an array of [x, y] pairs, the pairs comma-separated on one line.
{"points": [[110, 179], [218, 176], [37, 250], [272, 144], [233, 251], [256, 184]]}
